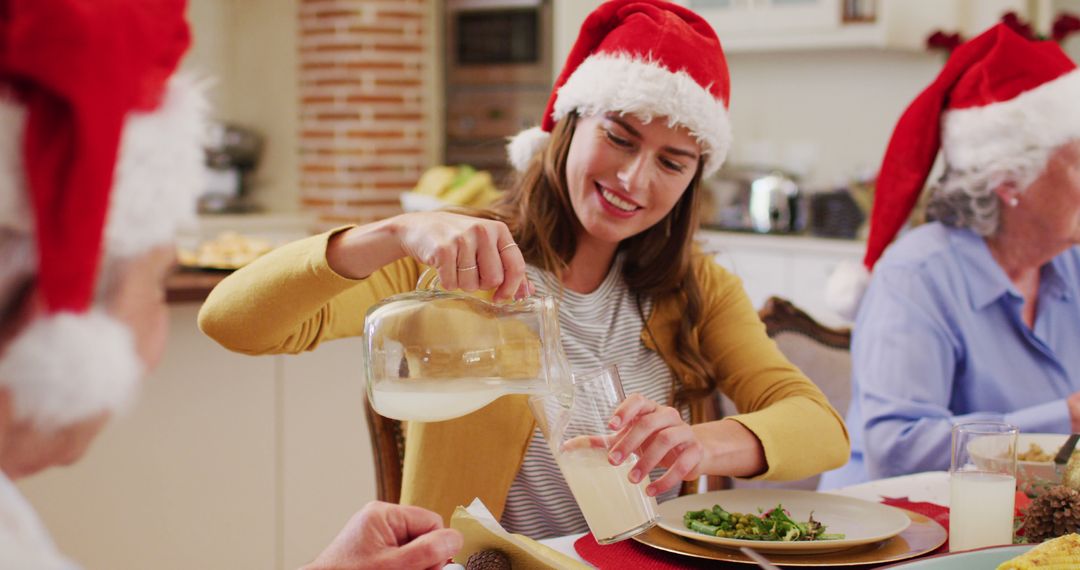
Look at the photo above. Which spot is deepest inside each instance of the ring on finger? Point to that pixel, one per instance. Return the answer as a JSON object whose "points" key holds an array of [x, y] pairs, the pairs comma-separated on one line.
{"points": [[469, 268], [507, 246]]}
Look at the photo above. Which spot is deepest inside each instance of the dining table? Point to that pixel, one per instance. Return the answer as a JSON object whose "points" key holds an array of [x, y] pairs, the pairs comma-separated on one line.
{"points": [[920, 488]]}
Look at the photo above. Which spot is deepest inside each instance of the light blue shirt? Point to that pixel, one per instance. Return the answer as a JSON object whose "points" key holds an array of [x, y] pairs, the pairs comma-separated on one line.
{"points": [[939, 339]]}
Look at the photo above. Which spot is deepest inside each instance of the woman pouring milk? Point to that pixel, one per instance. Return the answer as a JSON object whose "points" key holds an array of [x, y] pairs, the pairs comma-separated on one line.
{"points": [[602, 217]]}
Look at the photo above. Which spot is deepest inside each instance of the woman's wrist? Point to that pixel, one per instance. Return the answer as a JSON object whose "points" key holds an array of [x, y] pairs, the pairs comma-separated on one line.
{"points": [[730, 449], [360, 251]]}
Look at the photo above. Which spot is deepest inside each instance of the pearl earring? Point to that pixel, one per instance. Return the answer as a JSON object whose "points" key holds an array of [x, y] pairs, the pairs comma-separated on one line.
{"points": [[1014, 202]]}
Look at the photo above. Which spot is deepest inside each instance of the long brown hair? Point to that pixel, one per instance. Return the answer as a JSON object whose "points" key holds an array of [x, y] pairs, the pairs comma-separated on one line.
{"points": [[657, 263]]}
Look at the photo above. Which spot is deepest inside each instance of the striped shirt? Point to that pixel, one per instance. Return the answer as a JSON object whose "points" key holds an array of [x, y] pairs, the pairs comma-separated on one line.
{"points": [[598, 328]]}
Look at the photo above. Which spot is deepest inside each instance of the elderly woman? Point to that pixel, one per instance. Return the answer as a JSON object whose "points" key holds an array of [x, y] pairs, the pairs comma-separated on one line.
{"points": [[975, 316]]}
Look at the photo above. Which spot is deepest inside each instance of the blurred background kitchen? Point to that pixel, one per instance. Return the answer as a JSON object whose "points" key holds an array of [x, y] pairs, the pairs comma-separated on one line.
{"points": [[336, 111]]}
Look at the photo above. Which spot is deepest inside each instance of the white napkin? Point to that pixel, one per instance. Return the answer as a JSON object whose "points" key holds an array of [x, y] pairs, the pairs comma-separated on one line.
{"points": [[483, 532]]}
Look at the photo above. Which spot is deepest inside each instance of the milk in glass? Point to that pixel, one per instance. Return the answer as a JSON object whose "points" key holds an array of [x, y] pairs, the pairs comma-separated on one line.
{"points": [[612, 505], [980, 509]]}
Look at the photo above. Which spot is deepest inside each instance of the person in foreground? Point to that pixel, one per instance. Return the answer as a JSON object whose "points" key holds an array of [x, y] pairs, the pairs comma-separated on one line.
{"points": [[96, 173], [975, 316], [602, 217]]}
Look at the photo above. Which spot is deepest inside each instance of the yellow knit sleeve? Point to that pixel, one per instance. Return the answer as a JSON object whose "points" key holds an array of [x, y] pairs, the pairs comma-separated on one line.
{"points": [[801, 433], [289, 300]]}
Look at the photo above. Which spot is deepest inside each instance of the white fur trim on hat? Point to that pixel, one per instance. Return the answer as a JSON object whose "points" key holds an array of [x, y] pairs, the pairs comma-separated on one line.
{"points": [[845, 288], [647, 89], [1044, 117], [524, 146], [68, 367], [159, 170]]}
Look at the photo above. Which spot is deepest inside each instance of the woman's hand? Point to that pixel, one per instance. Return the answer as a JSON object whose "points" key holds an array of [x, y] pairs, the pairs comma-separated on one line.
{"points": [[659, 436], [469, 253]]}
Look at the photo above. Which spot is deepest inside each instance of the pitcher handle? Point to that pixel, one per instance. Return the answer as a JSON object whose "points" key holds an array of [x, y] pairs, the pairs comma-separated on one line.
{"points": [[433, 283]]}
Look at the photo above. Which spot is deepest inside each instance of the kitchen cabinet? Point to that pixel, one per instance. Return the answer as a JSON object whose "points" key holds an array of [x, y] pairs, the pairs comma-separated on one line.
{"points": [[796, 268], [778, 25]]}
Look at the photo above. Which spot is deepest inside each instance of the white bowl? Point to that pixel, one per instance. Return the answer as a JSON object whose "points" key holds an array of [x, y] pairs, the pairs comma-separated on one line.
{"points": [[984, 452]]}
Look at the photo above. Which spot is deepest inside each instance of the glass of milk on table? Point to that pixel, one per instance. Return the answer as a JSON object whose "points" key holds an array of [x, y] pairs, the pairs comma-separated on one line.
{"points": [[982, 485], [576, 429]]}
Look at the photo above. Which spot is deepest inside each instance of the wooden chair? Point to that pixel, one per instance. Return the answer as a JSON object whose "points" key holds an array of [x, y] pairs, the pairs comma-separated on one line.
{"points": [[822, 353], [388, 446]]}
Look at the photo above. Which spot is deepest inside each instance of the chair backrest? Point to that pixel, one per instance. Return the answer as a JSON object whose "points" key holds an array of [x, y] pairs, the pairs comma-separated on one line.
{"points": [[822, 353], [388, 446]]}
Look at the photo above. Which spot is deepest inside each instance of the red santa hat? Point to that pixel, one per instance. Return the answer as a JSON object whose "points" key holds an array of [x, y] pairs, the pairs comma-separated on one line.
{"points": [[100, 155], [997, 96], [648, 58]]}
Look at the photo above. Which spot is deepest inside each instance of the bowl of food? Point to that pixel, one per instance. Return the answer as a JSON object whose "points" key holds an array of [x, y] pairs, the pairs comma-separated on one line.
{"points": [[1035, 458]]}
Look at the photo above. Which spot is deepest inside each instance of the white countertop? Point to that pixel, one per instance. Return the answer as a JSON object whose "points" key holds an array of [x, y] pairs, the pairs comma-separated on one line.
{"points": [[714, 241]]}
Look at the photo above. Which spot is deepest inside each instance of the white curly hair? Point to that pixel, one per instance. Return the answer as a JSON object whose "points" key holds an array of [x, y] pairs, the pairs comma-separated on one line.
{"points": [[966, 198]]}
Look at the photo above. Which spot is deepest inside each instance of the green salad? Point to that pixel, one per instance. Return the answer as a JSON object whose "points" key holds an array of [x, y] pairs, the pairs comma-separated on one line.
{"points": [[775, 524]]}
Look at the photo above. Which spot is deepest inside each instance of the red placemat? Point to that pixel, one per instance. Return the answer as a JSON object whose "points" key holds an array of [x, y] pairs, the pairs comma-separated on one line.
{"points": [[633, 554], [935, 511]]}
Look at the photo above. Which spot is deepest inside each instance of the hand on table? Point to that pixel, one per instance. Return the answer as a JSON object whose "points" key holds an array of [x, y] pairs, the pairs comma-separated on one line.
{"points": [[659, 436], [385, 535]]}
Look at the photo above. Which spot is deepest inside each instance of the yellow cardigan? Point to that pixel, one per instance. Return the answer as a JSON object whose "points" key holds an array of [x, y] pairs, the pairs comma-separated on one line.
{"points": [[290, 300]]}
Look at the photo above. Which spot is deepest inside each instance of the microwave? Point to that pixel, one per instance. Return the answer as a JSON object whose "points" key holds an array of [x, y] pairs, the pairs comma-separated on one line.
{"points": [[493, 42]]}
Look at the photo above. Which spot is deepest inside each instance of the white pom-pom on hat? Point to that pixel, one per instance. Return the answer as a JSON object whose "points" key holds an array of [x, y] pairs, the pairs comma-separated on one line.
{"points": [[845, 288], [524, 146], [97, 370]]}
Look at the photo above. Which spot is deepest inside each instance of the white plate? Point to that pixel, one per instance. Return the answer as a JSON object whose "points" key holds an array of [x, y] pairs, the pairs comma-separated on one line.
{"points": [[862, 522], [983, 558]]}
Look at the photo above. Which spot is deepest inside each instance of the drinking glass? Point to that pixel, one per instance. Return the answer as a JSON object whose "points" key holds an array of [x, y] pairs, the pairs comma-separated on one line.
{"points": [[575, 426], [982, 485]]}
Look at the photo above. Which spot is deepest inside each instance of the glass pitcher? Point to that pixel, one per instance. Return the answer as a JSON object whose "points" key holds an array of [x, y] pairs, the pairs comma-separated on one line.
{"points": [[436, 355]]}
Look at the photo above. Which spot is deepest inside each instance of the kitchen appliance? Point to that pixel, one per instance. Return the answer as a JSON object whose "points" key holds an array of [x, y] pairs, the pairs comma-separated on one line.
{"points": [[498, 77], [232, 153], [752, 198], [835, 214]]}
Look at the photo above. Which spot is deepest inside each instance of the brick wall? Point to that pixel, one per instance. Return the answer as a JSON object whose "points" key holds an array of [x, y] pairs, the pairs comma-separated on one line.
{"points": [[362, 109]]}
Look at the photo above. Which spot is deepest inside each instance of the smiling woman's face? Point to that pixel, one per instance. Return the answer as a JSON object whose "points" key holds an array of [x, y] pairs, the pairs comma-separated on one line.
{"points": [[625, 175]]}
